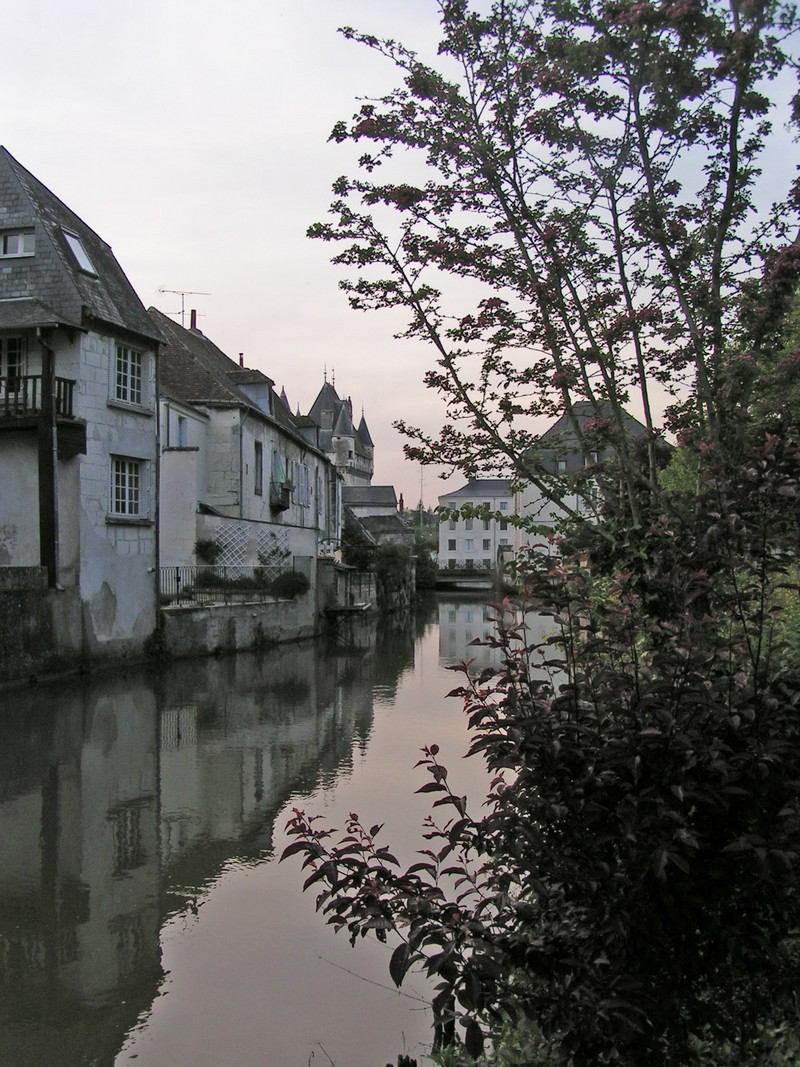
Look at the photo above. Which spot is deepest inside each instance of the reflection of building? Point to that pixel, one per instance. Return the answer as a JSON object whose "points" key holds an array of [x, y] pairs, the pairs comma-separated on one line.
{"points": [[121, 800], [79, 871], [461, 622]]}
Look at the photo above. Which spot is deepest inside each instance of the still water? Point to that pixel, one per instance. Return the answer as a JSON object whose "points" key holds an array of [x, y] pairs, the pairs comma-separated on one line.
{"points": [[144, 918]]}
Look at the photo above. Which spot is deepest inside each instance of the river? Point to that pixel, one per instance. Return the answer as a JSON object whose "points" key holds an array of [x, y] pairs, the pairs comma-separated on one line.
{"points": [[144, 918]]}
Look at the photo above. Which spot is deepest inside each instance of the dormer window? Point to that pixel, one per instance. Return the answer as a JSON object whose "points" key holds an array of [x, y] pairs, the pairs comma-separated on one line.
{"points": [[17, 243], [79, 252]]}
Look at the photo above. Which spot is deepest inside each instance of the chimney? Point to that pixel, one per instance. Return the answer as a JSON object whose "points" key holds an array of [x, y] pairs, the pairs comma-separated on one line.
{"points": [[241, 359], [193, 319], [401, 505]]}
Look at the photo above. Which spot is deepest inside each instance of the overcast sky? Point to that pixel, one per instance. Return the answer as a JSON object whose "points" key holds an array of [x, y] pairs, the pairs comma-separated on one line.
{"points": [[192, 136]]}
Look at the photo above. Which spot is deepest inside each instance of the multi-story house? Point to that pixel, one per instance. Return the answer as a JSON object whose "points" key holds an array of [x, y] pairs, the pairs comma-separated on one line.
{"points": [[235, 467], [566, 453], [478, 543], [78, 440]]}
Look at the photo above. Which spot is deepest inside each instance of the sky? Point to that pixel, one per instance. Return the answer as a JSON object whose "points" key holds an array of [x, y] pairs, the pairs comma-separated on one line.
{"points": [[192, 135]]}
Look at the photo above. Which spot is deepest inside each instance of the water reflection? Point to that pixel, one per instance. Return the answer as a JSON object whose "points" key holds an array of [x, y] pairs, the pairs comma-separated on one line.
{"points": [[126, 802], [120, 799]]}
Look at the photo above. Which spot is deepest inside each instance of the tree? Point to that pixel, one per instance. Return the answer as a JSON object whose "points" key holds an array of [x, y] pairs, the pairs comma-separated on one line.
{"points": [[629, 892], [586, 215], [589, 228]]}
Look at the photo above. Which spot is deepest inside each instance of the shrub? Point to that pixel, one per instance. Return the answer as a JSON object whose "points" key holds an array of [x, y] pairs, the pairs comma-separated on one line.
{"points": [[631, 887], [207, 551], [289, 584]]}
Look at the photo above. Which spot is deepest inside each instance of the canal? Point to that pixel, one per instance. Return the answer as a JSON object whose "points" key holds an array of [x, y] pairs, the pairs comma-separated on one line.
{"points": [[144, 918]]}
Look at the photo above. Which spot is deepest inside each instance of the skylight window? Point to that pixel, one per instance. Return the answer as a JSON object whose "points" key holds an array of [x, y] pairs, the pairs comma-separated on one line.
{"points": [[79, 252]]}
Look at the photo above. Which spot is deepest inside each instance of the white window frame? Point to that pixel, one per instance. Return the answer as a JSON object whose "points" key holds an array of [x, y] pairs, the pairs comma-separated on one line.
{"points": [[128, 386], [21, 358], [127, 488], [27, 240]]}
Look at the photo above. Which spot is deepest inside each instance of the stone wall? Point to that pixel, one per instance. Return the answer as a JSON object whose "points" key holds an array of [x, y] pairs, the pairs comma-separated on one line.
{"points": [[223, 628], [41, 629]]}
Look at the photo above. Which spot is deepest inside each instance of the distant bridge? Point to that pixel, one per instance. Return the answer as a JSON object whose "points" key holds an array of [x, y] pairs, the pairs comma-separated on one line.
{"points": [[466, 579]]}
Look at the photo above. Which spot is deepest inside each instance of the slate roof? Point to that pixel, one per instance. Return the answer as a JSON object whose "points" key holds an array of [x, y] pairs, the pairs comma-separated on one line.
{"points": [[385, 527], [583, 411], [193, 369], [363, 432], [52, 276], [480, 488], [373, 495]]}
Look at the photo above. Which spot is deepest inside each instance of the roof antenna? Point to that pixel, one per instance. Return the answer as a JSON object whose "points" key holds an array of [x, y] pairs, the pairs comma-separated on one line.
{"points": [[183, 293], [325, 372], [333, 377]]}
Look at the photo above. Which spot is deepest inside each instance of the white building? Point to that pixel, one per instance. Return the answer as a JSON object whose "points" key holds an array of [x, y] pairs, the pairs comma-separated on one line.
{"points": [[78, 440], [235, 467], [478, 543]]}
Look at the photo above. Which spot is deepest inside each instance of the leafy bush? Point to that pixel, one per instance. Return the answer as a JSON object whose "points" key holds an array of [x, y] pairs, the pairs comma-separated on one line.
{"points": [[631, 888], [207, 550], [289, 584]]}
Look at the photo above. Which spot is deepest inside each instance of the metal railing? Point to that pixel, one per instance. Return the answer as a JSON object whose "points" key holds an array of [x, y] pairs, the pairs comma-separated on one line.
{"points": [[220, 584], [22, 395]]}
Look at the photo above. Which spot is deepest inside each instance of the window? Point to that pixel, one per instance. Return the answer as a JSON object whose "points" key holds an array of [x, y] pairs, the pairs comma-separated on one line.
{"points": [[452, 524], [258, 464], [467, 524], [126, 481], [504, 505], [469, 545], [487, 524], [451, 545], [128, 376], [17, 243], [301, 493], [79, 252], [503, 540], [126, 834], [487, 544], [561, 466], [12, 362], [183, 431], [504, 524]]}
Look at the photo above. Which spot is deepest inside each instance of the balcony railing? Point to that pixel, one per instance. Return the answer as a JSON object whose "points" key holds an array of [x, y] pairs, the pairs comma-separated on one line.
{"points": [[22, 395]]}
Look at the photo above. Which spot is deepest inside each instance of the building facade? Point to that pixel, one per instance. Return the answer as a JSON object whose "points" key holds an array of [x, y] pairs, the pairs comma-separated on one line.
{"points": [[78, 439], [236, 469], [478, 543]]}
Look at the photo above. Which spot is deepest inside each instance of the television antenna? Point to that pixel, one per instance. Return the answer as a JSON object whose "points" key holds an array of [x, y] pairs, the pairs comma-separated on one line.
{"points": [[183, 293]]}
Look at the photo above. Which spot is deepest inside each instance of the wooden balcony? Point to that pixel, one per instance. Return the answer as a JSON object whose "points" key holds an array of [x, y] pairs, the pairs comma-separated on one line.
{"points": [[21, 409], [21, 396]]}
